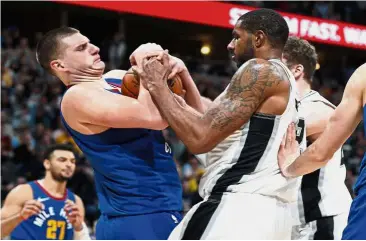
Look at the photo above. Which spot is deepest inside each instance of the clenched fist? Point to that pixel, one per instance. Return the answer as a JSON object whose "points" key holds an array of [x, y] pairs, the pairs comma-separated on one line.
{"points": [[142, 51]]}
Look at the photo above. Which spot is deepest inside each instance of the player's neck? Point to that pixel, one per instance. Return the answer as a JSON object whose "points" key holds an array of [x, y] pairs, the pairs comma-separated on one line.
{"points": [[303, 87], [78, 79], [55, 188], [269, 54]]}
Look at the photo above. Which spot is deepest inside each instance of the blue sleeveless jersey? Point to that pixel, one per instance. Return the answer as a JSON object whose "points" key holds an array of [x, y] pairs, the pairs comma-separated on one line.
{"points": [[133, 168], [51, 223], [360, 185]]}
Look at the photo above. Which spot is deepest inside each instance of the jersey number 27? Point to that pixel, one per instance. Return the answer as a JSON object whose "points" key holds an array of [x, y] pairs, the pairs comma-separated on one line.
{"points": [[53, 226]]}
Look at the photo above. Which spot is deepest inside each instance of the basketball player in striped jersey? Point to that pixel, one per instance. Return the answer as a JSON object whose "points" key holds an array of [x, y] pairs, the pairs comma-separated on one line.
{"points": [[45, 209], [342, 124], [257, 106], [324, 200]]}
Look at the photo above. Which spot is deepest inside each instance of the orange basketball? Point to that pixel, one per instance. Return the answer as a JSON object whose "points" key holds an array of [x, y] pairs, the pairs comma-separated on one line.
{"points": [[131, 84], [175, 85]]}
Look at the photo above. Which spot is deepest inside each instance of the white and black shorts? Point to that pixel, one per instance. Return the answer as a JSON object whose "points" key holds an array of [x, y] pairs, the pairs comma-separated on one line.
{"points": [[326, 228], [236, 216]]}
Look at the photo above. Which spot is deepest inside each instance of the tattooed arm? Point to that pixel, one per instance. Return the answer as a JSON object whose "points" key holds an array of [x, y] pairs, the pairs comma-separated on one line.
{"points": [[249, 87]]}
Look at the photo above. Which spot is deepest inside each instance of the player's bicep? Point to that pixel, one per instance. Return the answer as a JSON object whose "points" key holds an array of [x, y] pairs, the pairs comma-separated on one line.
{"points": [[14, 201], [344, 120], [98, 107], [247, 90], [342, 124]]}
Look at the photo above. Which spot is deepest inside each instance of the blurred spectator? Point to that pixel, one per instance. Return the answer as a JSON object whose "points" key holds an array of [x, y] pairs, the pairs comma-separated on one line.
{"points": [[117, 51]]}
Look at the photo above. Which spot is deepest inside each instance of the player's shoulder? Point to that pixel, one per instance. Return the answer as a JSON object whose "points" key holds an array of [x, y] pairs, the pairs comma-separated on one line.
{"points": [[314, 98], [257, 65], [73, 91], [269, 68], [78, 94], [315, 101], [320, 109], [362, 68], [23, 188], [358, 77], [115, 74], [356, 85], [22, 192]]}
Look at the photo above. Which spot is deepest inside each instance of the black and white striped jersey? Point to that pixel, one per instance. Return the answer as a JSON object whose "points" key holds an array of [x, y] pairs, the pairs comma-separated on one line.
{"points": [[247, 161], [323, 193]]}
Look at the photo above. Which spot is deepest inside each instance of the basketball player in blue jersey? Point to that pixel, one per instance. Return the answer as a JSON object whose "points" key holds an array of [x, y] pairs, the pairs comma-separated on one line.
{"points": [[342, 124], [44, 209], [138, 187]]}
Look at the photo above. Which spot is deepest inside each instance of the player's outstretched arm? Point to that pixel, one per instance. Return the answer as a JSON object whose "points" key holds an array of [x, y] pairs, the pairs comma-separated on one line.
{"points": [[17, 207], [201, 133], [341, 125]]}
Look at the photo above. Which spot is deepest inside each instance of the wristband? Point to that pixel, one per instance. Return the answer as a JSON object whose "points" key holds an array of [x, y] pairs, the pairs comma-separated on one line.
{"points": [[83, 234]]}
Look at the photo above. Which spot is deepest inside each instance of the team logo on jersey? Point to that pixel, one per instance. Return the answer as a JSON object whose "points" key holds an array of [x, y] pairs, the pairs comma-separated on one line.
{"points": [[49, 213], [167, 148], [298, 131], [175, 219], [42, 199]]}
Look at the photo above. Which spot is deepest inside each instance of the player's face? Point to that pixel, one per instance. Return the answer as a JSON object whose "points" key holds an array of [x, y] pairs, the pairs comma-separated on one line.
{"points": [[241, 46], [61, 165], [80, 56]]}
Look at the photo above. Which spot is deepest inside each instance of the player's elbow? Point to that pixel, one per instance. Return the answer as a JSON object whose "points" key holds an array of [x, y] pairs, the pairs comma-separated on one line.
{"points": [[4, 234], [154, 121], [323, 156], [328, 156], [199, 147], [157, 124], [195, 150], [201, 151]]}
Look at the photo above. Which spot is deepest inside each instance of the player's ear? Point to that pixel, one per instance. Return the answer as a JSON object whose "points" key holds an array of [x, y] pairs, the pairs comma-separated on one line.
{"points": [[57, 65], [46, 164], [298, 71], [258, 39]]}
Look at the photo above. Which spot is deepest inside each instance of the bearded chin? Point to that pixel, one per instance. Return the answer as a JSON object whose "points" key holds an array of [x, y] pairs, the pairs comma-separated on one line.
{"points": [[59, 178], [247, 55]]}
